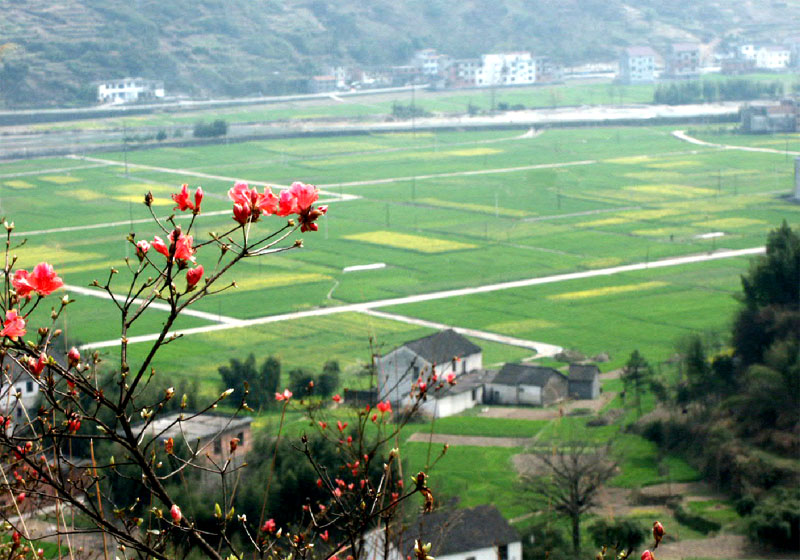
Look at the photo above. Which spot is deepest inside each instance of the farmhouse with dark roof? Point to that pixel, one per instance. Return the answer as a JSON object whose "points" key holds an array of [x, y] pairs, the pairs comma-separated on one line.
{"points": [[527, 384], [447, 352], [584, 381]]}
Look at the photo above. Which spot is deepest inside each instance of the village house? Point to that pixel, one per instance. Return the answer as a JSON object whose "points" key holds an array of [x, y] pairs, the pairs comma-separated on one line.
{"points": [[524, 384], [127, 90], [637, 65], [505, 69], [584, 381], [207, 435], [19, 396], [446, 352], [768, 119], [684, 60]]}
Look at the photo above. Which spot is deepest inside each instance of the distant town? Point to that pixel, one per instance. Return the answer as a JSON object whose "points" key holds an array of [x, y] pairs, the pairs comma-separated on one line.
{"points": [[636, 65]]}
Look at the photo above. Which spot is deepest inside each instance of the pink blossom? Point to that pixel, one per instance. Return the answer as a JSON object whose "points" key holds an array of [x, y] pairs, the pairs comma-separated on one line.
{"points": [[141, 248], [240, 193], [73, 357], [44, 279], [20, 497], [22, 284], [241, 213], [647, 555], [341, 425], [285, 396], [160, 247], [324, 535], [269, 526], [337, 492], [384, 407], [175, 512], [336, 398], [183, 247], [36, 367], [305, 195], [287, 203], [13, 326], [323, 425], [182, 199], [193, 276], [422, 385], [268, 202], [451, 378], [198, 198]]}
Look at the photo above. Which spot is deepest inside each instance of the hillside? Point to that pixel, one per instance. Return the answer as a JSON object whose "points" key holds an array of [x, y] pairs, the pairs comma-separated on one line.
{"points": [[243, 47]]}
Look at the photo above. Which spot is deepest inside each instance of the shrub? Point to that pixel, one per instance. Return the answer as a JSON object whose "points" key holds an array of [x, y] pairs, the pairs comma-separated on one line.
{"points": [[620, 533], [776, 520], [210, 130]]}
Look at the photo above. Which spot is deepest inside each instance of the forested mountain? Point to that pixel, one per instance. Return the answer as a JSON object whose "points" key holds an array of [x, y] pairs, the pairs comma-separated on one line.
{"points": [[243, 47]]}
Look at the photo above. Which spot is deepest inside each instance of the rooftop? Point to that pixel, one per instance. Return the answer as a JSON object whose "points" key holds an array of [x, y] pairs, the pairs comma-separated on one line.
{"points": [[640, 51], [193, 429], [524, 374], [461, 530], [583, 372], [443, 346]]}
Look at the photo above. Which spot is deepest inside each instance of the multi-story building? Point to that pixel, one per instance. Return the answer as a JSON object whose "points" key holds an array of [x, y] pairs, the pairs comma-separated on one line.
{"points": [[430, 62], [773, 57], [464, 72], [637, 65], [506, 69], [684, 60], [127, 90]]}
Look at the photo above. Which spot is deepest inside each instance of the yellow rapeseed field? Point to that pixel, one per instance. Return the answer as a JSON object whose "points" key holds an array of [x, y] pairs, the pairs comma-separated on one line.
{"points": [[17, 184], [59, 179], [410, 242], [483, 208], [607, 291]]}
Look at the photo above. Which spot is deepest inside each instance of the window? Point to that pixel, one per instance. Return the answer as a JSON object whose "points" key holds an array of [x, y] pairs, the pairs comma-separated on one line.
{"points": [[240, 435], [217, 447], [502, 552], [29, 386]]}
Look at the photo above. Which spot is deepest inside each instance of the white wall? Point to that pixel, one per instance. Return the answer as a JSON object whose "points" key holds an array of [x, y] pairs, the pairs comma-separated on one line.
{"points": [[452, 404], [508, 394]]}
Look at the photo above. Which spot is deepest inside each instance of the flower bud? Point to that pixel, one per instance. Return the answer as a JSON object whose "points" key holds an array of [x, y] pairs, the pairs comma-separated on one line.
{"points": [[176, 514], [73, 357], [193, 276], [148, 199]]}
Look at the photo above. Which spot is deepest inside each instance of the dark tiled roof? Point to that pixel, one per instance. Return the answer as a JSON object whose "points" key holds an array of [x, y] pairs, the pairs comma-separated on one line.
{"points": [[523, 374], [469, 381], [583, 372], [443, 346], [460, 530]]}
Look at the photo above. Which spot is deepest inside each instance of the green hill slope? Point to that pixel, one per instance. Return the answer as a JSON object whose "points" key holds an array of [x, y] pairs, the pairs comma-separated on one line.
{"points": [[242, 47]]}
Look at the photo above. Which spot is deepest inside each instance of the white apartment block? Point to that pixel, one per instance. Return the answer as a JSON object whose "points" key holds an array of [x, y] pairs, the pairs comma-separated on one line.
{"points": [[126, 90], [768, 57], [506, 69], [637, 65]]}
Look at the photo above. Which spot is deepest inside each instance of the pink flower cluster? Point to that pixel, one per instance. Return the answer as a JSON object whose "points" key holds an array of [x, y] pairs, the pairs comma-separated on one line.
{"points": [[249, 204], [182, 246], [183, 202], [42, 280]]}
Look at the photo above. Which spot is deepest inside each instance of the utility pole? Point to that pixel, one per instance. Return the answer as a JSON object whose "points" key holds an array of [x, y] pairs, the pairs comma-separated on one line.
{"points": [[125, 145]]}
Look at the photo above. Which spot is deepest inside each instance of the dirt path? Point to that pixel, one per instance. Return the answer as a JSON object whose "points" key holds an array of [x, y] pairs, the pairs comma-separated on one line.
{"points": [[681, 135]]}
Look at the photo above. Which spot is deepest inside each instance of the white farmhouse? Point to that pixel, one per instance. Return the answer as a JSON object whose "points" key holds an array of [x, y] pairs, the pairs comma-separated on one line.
{"points": [[444, 352], [773, 57], [127, 90], [18, 396], [504, 69], [638, 65]]}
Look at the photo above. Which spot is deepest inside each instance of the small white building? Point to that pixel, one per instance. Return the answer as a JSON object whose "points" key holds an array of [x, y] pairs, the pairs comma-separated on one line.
{"points": [[504, 69], [479, 533], [773, 57], [443, 353], [638, 65], [18, 396], [127, 90]]}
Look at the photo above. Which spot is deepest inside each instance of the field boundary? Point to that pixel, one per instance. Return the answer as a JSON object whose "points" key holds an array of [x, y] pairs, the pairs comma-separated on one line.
{"points": [[681, 135]]}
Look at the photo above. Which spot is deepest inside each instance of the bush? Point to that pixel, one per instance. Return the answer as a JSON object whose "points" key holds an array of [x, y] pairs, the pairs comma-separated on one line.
{"points": [[618, 533], [776, 520], [696, 522], [210, 130]]}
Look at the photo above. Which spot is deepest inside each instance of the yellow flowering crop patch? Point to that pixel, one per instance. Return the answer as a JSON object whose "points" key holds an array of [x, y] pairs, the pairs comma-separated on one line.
{"points": [[410, 242], [673, 164], [730, 223], [85, 195], [483, 208], [607, 291], [668, 189], [521, 326], [628, 160], [655, 175], [17, 184], [650, 214], [472, 152], [280, 279], [139, 199], [602, 262], [605, 222], [59, 179], [31, 255]]}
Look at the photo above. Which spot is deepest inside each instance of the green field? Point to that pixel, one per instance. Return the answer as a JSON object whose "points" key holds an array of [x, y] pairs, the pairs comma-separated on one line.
{"points": [[442, 211]]}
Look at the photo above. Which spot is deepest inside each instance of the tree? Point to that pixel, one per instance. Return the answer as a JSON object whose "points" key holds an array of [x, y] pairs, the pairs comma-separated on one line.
{"points": [[620, 534], [574, 474], [329, 378], [636, 375], [270, 377]]}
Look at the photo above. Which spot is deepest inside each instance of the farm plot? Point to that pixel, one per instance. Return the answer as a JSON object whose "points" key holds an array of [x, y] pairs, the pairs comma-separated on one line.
{"points": [[441, 211]]}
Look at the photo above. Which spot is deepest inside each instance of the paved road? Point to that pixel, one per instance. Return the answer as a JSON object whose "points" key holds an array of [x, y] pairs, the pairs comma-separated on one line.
{"points": [[446, 294]]}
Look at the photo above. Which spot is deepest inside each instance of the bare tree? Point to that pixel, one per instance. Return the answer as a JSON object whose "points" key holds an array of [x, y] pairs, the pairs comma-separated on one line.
{"points": [[569, 478]]}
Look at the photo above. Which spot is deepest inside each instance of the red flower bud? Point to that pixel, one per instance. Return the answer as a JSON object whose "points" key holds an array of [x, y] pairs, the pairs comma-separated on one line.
{"points": [[193, 276], [73, 357]]}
